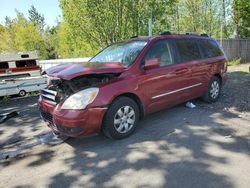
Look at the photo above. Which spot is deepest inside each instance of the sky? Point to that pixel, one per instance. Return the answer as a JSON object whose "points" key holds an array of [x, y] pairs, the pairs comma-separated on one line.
{"points": [[49, 8]]}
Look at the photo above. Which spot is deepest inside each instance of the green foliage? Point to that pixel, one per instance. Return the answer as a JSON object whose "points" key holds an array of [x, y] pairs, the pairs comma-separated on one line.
{"points": [[51, 42], [21, 34], [72, 44], [236, 62], [241, 18], [90, 25], [201, 16], [32, 94], [3, 39], [5, 98], [36, 18]]}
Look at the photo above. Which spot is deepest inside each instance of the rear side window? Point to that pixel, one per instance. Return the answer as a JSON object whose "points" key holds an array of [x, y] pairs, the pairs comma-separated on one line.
{"points": [[4, 65], [27, 63], [162, 51], [188, 50], [210, 48]]}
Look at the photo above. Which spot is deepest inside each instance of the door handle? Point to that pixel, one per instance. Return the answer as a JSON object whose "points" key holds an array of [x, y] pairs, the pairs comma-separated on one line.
{"points": [[181, 71]]}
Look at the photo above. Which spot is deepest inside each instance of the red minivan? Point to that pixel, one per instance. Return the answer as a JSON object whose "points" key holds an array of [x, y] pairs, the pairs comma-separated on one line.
{"points": [[130, 79]]}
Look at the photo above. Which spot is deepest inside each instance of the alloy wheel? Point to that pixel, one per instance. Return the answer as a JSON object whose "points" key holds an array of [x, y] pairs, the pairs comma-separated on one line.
{"points": [[124, 119], [215, 89]]}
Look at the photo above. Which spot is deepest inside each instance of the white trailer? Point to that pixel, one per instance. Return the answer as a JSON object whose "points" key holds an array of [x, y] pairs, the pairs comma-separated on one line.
{"points": [[21, 86], [45, 64], [19, 65]]}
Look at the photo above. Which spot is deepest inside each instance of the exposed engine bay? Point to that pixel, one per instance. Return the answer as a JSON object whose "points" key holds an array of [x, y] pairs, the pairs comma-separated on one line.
{"points": [[65, 88]]}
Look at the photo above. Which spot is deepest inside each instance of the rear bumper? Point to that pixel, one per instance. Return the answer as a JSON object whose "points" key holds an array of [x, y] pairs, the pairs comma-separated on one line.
{"points": [[72, 123]]}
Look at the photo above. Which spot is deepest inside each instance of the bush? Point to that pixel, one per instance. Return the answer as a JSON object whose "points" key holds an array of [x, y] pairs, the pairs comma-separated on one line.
{"points": [[236, 61], [5, 98]]}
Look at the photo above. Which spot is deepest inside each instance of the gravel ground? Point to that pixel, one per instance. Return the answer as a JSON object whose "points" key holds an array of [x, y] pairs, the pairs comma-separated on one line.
{"points": [[208, 146]]}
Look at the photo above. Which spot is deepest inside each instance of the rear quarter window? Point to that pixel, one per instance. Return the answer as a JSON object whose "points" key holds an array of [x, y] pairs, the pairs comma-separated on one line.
{"points": [[210, 48], [188, 50]]}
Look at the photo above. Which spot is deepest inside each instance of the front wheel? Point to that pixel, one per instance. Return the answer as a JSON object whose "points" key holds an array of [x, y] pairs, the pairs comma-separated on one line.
{"points": [[213, 93], [121, 118]]}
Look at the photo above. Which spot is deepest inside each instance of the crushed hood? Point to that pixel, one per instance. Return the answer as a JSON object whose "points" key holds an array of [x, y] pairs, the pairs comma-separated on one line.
{"points": [[68, 72]]}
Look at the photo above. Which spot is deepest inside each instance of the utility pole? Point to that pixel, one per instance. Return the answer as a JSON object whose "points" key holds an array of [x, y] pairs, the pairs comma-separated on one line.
{"points": [[150, 27]]}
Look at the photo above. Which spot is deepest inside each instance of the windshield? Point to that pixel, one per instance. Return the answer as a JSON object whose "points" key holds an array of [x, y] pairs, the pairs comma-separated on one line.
{"points": [[122, 52]]}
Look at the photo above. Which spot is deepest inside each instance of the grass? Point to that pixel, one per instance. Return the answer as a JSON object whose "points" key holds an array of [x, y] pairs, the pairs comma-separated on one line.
{"points": [[5, 98], [30, 94]]}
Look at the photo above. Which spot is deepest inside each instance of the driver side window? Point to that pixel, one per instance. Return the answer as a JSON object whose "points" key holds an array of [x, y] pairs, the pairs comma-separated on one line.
{"points": [[162, 51]]}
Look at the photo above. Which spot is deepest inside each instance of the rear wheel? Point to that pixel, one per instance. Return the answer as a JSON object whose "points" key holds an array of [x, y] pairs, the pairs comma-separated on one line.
{"points": [[22, 93], [121, 118], [213, 93]]}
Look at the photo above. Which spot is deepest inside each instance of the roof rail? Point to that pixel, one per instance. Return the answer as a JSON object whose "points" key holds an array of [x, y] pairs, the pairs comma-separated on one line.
{"points": [[192, 33], [204, 35], [134, 37], [165, 33]]}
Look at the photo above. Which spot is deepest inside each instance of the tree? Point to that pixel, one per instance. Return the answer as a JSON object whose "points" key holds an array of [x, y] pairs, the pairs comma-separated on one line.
{"points": [[3, 39], [98, 23], [36, 18], [201, 16], [21, 35], [241, 18], [51, 42]]}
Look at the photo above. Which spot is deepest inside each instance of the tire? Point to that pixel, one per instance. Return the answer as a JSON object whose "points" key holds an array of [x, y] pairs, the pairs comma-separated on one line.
{"points": [[22, 93], [213, 92], [121, 118]]}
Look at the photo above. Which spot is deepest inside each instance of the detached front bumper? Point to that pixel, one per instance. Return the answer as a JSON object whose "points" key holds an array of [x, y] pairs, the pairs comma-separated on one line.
{"points": [[72, 123]]}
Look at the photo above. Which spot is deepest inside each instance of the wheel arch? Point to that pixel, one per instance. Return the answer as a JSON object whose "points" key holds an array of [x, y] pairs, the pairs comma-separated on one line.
{"points": [[218, 76], [135, 98]]}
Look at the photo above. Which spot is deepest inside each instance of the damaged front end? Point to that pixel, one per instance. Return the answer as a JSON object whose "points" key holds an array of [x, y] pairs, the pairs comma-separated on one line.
{"points": [[65, 103], [60, 89]]}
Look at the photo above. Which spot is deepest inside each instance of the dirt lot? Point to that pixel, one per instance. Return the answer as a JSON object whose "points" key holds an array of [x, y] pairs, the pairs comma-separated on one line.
{"points": [[208, 146]]}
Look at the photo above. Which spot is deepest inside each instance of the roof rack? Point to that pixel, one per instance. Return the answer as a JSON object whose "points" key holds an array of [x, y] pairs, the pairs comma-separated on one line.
{"points": [[165, 33], [134, 37], [186, 33], [197, 34], [192, 33], [204, 35]]}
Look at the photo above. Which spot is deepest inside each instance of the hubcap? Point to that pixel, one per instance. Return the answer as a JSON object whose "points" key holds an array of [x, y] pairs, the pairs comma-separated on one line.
{"points": [[124, 119], [22, 93], [215, 88]]}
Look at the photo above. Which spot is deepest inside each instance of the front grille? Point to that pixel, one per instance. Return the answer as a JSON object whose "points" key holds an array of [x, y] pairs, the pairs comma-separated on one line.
{"points": [[49, 95], [47, 117]]}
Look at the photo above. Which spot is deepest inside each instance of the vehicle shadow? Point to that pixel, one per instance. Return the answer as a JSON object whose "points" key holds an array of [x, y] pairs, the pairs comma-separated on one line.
{"points": [[169, 149]]}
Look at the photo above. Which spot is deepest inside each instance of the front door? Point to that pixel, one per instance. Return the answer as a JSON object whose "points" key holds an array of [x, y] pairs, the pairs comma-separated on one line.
{"points": [[164, 85]]}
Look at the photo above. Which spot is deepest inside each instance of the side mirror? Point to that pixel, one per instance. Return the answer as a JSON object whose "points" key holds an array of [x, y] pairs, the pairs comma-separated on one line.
{"points": [[152, 63]]}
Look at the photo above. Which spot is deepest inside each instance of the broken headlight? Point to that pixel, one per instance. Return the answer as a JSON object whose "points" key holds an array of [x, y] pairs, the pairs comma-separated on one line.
{"points": [[81, 99]]}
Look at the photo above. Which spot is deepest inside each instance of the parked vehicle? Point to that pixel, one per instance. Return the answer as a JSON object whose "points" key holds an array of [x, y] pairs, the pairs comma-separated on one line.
{"points": [[45, 64], [19, 65], [130, 79], [21, 86]]}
